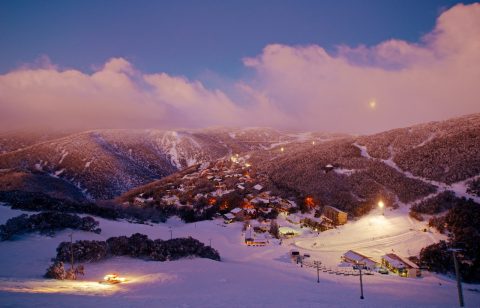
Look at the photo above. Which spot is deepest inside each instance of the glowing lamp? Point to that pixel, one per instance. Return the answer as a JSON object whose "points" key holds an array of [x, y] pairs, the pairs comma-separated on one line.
{"points": [[113, 279], [382, 206]]}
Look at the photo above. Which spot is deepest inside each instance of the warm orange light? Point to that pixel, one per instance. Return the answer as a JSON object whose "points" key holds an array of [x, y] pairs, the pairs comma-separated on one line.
{"points": [[309, 202], [113, 279], [381, 204], [282, 149], [212, 201], [247, 205], [224, 205]]}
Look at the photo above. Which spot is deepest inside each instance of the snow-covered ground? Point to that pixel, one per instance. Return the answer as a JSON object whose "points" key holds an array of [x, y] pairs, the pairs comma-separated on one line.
{"points": [[246, 277], [373, 235]]}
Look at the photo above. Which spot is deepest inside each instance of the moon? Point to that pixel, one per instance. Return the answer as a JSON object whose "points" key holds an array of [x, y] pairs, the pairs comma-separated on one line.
{"points": [[372, 104]]}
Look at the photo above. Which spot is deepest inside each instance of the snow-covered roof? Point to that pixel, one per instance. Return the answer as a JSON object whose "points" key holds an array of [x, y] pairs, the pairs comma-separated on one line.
{"points": [[354, 256], [409, 263], [358, 257], [241, 187], [257, 200], [258, 187], [394, 260], [229, 216], [236, 210]]}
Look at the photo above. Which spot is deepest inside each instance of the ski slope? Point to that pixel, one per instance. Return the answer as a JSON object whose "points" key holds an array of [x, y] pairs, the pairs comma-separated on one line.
{"points": [[375, 235], [246, 277]]}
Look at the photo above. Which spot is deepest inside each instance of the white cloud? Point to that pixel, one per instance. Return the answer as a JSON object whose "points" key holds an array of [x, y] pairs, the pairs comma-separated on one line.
{"points": [[301, 87]]}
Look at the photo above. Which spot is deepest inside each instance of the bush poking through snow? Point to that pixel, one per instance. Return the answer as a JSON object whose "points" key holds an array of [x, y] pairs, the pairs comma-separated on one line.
{"points": [[136, 246], [46, 223], [57, 271], [83, 251]]}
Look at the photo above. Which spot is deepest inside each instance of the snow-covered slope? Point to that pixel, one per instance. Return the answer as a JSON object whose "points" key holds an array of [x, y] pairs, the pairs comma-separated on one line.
{"points": [[246, 277], [402, 165], [104, 163]]}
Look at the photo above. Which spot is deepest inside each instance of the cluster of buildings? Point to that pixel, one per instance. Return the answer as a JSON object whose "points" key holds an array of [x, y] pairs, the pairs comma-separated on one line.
{"points": [[396, 264]]}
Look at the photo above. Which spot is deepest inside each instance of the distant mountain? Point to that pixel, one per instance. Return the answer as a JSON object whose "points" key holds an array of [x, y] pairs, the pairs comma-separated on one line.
{"points": [[15, 140], [102, 164], [402, 165]]}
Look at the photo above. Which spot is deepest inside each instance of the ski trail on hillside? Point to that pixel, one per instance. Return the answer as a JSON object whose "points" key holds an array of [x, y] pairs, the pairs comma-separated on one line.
{"points": [[458, 188]]}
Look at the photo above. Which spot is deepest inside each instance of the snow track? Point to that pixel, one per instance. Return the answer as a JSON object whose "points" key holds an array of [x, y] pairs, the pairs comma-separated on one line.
{"points": [[459, 188]]}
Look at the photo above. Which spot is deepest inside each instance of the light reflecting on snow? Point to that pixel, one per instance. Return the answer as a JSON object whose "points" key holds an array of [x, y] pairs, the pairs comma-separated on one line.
{"points": [[58, 286], [79, 287]]}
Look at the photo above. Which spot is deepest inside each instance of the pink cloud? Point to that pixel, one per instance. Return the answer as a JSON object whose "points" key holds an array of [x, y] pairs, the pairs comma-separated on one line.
{"points": [[301, 87], [116, 95], [411, 82]]}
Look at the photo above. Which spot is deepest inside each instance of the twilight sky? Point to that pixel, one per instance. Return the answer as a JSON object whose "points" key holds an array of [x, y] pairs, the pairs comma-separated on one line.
{"points": [[346, 66]]}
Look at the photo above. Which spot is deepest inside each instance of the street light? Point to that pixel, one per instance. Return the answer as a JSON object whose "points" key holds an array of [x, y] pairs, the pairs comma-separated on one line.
{"points": [[360, 266], [381, 205]]}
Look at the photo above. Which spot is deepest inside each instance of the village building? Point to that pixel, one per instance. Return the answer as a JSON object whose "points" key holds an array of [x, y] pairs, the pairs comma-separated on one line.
{"points": [[288, 232], [284, 206], [238, 213], [258, 241], [258, 187], [401, 266], [337, 216], [229, 218], [354, 258], [260, 200]]}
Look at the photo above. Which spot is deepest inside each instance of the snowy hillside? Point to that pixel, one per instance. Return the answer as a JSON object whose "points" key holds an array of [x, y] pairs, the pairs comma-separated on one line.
{"points": [[246, 277], [402, 165], [105, 163]]}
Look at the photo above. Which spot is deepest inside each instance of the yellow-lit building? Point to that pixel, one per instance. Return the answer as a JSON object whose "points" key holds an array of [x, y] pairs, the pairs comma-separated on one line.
{"points": [[337, 216]]}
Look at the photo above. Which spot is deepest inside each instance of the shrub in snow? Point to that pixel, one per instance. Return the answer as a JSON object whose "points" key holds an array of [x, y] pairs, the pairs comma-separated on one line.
{"points": [[118, 246], [136, 246], [46, 223], [56, 271], [83, 251], [139, 245]]}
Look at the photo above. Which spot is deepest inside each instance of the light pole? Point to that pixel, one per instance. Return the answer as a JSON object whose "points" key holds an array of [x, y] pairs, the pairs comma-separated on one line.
{"points": [[210, 242], [457, 274], [171, 232], [317, 264], [381, 205], [360, 266]]}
